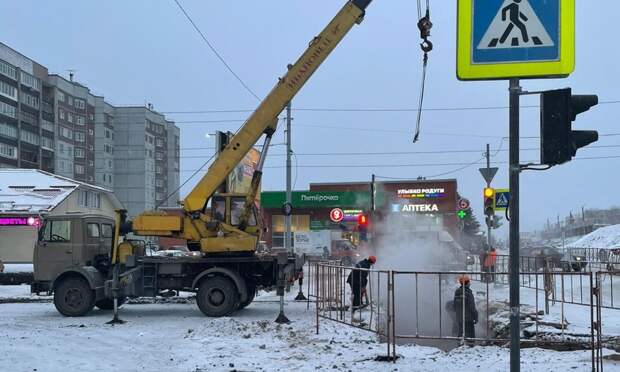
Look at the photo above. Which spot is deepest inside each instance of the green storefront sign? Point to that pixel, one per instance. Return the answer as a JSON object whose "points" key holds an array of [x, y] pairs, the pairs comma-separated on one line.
{"points": [[323, 199]]}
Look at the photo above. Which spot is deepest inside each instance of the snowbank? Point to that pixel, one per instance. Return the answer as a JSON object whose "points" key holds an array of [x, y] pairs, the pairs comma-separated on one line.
{"points": [[606, 237]]}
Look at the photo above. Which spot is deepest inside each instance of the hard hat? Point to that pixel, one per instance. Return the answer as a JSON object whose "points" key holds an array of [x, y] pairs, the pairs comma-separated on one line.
{"points": [[463, 279], [372, 259]]}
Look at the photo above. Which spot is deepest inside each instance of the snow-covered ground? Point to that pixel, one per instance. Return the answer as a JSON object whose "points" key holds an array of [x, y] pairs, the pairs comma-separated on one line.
{"points": [[177, 337]]}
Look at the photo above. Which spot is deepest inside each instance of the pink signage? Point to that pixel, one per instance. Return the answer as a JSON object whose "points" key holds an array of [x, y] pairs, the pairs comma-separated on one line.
{"points": [[20, 221]]}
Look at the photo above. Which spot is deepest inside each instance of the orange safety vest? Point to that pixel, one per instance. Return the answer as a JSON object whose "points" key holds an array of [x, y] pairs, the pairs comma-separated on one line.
{"points": [[491, 259]]}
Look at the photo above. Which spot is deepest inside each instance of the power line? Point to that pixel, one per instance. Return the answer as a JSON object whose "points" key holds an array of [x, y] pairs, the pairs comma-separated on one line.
{"points": [[215, 51], [416, 165], [378, 109]]}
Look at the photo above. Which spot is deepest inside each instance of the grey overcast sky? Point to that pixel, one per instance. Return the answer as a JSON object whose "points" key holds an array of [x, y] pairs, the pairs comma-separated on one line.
{"points": [[140, 51]]}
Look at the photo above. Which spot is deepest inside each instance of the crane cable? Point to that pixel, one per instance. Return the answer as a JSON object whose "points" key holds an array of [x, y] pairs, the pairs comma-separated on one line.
{"points": [[424, 25]]}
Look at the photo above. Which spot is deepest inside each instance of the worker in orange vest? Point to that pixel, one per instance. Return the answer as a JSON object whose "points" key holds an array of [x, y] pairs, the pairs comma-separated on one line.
{"points": [[489, 264]]}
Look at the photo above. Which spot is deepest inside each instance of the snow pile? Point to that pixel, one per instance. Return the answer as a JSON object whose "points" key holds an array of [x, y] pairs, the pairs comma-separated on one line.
{"points": [[606, 237]]}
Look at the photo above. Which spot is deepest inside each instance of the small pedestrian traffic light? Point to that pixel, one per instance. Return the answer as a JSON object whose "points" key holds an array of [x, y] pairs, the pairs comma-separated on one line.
{"points": [[489, 201], [558, 109]]}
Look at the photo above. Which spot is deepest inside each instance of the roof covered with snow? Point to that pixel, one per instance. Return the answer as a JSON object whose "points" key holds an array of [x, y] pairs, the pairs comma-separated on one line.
{"points": [[605, 237], [36, 191]]}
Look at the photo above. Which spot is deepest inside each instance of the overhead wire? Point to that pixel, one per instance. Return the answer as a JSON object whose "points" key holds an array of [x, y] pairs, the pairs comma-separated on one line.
{"points": [[371, 109], [217, 54]]}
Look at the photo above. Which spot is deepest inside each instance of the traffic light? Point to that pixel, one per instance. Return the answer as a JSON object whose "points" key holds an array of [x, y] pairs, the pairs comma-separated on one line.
{"points": [[489, 204], [558, 109], [489, 201], [362, 226]]}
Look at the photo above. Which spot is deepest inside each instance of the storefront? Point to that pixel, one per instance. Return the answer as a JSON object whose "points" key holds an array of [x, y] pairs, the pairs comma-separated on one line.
{"points": [[420, 205], [318, 218]]}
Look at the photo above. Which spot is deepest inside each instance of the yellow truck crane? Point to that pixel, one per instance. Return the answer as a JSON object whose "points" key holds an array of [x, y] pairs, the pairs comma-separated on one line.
{"points": [[105, 269]]}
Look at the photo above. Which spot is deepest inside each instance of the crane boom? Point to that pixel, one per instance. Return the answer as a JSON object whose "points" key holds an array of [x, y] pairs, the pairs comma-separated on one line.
{"points": [[271, 106]]}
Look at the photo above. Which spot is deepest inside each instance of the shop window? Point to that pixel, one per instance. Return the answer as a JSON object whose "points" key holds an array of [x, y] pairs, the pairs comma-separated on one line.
{"points": [[298, 223]]}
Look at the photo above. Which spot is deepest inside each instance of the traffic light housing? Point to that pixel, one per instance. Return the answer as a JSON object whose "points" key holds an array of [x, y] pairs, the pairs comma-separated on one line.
{"points": [[489, 204], [489, 201], [558, 109]]}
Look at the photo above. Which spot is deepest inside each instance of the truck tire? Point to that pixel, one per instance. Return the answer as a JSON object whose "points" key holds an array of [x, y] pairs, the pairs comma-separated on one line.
{"points": [[251, 295], [73, 297], [217, 296], [108, 303]]}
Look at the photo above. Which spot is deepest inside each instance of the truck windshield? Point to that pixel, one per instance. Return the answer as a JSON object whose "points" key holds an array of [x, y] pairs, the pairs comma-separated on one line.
{"points": [[57, 231]]}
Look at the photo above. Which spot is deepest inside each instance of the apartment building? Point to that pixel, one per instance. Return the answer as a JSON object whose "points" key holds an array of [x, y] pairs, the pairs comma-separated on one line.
{"points": [[23, 142], [146, 159], [58, 125]]}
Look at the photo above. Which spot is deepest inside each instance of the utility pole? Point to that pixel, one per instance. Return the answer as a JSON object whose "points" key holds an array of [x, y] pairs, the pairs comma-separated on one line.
{"points": [[514, 169], [287, 219]]}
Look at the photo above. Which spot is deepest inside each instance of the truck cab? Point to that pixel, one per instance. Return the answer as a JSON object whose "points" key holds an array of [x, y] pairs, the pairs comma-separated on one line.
{"points": [[71, 241]]}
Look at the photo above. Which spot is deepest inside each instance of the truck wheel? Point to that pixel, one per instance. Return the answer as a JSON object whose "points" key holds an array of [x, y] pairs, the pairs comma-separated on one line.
{"points": [[73, 297], [108, 303], [251, 295], [217, 296]]}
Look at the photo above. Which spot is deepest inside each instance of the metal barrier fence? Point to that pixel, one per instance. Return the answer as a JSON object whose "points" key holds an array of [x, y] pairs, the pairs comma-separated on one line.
{"points": [[412, 305]]}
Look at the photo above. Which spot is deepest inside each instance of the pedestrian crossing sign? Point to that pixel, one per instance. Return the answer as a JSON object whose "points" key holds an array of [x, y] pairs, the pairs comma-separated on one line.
{"points": [[501, 39], [502, 199]]}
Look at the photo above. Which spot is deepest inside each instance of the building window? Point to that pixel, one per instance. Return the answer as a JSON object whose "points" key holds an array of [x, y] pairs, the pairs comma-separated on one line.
{"points": [[80, 120], [8, 130], [47, 143], [91, 132], [110, 164], [8, 70], [80, 104], [79, 152], [47, 125], [30, 81], [80, 136], [30, 100], [108, 149], [61, 114], [91, 163], [29, 137], [66, 132], [8, 110], [8, 151], [79, 169], [107, 133], [61, 96], [159, 155], [69, 100], [298, 223], [8, 91], [29, 118], [70, 117]]}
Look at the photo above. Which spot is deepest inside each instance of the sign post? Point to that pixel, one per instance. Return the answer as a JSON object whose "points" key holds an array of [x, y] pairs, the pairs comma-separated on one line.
{"points": [[513, 39]]}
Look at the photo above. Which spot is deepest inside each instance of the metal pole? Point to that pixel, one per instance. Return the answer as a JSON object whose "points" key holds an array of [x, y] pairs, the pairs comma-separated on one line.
{"points": [[515, 331], [488, 155], [287, 219]]}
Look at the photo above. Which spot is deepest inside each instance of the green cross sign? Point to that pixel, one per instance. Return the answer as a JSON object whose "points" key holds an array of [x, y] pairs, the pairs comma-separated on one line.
{"points": [[461, 214]]}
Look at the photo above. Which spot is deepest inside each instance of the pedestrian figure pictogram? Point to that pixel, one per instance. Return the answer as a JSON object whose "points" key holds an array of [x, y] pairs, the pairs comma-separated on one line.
{"points": [[516, 25]]}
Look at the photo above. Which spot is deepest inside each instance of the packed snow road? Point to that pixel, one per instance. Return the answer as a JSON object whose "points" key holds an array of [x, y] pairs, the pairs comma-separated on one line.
{"points": [[177, 337]]}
